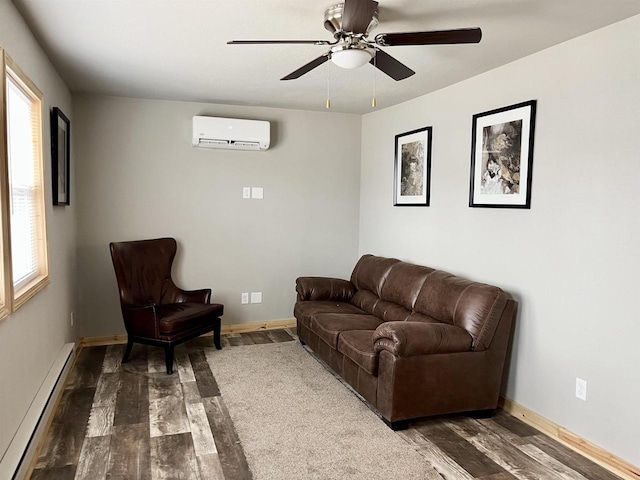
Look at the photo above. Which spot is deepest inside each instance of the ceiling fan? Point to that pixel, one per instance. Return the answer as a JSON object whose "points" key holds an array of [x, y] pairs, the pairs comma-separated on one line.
{"points": [[350, 23]]}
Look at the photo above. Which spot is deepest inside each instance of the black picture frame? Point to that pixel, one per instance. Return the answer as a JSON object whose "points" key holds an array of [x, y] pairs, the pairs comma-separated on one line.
{"points": [[502, 157], [412, 168], [60, 157]]}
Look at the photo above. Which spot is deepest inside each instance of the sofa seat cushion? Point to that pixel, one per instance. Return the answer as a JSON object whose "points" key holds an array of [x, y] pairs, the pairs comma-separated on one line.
{"points": [[303, 311], [175, 317], [358, 346], [328, 326]]}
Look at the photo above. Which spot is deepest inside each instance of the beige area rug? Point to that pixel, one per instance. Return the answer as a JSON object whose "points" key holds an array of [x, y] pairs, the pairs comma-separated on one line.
{"points": [[297, 421]]}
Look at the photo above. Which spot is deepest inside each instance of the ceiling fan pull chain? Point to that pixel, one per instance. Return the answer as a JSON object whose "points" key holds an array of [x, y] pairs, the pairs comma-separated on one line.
{"points": [[329, 87], [374, 103]]}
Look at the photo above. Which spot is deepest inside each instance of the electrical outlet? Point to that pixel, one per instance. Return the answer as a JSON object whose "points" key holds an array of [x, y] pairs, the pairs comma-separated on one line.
{"points": [[581, 389], [257, 192], [245, 298], [246, 192], [256, 297], [72, 319]]}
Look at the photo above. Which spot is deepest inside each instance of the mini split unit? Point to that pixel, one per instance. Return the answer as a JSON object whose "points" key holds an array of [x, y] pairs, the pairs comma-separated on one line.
{"points": [[231, 133]]}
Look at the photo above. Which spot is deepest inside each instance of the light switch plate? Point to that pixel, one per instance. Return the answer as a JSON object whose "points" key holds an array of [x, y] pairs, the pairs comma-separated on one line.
{"points": [[256, 297], [257, 192], [246, 192], [245, 298]]}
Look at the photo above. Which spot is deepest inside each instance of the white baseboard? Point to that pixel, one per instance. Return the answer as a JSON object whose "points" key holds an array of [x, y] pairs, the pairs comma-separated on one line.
{"points": [[17, 459]]}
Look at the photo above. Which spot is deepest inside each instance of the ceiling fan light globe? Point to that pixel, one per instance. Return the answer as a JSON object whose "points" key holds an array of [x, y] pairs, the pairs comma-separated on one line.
{"points": [[351, 58]]}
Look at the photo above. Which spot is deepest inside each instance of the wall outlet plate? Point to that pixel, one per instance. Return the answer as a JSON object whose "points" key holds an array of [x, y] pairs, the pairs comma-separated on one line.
{"points": [[246, 192], [244, 299], [581, 389]]}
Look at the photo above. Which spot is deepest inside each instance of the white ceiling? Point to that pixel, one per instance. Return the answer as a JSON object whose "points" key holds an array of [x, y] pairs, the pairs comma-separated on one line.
{"points": [[176, 49]]}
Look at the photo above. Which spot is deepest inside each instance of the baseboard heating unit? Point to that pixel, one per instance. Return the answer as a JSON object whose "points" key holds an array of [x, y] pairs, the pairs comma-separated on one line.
{"points": [[16, 460]]}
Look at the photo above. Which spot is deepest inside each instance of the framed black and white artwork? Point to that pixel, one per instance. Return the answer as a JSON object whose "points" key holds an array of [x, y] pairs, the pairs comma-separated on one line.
{"points": [[60, 156], [412, 171], [502, 157]]}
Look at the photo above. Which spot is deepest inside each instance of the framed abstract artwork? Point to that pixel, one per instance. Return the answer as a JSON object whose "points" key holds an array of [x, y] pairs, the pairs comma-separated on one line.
{"points": [[60, 156], [412, 168], [502, 157]]}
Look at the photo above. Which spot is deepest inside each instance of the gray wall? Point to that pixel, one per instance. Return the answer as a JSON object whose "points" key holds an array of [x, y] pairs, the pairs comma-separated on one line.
{"points": [[31, 338], [139, 177], [572, 260]]}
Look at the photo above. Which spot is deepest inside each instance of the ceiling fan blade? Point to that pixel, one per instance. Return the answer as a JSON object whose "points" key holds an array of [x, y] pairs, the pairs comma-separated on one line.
{"points": [[357, 15], [389, 65], [441, 37], [307, 68], [278, 42]]}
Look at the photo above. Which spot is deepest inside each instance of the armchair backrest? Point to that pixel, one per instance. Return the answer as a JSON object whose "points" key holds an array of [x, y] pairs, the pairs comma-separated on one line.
{"points": [[143, 269]]}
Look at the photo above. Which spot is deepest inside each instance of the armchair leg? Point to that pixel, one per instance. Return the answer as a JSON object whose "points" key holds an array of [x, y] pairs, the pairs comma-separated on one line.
{"points": [[127, 351], [216, 333], [168, 359]]}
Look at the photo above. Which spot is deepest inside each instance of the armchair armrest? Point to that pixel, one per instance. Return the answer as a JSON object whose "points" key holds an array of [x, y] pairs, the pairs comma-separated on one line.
{"points": [[406, 339], [141, 320], [324, 288], [196, 296], [174, 294]]}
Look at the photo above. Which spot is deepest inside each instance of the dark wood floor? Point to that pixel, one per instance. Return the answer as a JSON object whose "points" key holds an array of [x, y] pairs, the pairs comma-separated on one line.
{"points": [[133, 421]]}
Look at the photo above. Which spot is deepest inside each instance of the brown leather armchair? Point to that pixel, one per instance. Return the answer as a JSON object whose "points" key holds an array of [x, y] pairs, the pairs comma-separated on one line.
{"points": [[155, 311]]}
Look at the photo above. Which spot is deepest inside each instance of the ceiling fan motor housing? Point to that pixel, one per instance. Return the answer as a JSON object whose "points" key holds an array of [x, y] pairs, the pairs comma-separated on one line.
{"points": [[333, 20]]}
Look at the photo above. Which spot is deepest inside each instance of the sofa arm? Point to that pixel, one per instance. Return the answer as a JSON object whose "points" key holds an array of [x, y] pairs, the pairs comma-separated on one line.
{"points": [[406, 339], [323, 288]]}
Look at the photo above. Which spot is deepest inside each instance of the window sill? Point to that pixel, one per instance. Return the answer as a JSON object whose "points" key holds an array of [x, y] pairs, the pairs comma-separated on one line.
{"points": [[29, 291]]}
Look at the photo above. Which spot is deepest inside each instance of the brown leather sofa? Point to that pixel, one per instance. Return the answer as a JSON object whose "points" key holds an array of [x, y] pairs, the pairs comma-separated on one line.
{"points": [[411, 340]]}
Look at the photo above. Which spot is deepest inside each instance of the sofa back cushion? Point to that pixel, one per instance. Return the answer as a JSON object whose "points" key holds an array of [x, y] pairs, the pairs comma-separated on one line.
{"points": [[365, 300], [399, 291], [474, 306], [371, 272], [369, 276], [404, 283]]}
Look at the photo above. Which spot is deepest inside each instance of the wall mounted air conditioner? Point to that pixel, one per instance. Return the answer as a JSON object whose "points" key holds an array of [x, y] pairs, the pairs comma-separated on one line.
{"points": [[230, 133]]}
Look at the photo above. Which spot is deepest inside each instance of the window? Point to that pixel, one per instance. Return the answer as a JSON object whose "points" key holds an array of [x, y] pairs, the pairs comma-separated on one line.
{"points": [[24, 244]]}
